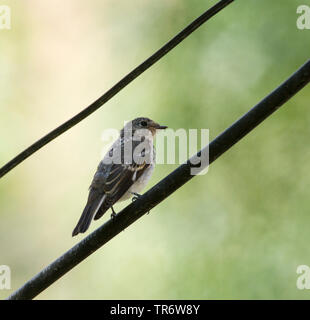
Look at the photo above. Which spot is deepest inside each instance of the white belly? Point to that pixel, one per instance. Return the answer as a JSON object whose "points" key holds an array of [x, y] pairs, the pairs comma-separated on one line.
{"points": [[140, 184]]}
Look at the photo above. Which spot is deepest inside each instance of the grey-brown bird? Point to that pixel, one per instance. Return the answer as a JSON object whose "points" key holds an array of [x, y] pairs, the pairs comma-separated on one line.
{"points": [[123, 172]]}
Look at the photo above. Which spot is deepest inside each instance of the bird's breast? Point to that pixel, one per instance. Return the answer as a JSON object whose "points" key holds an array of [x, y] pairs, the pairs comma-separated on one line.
{"points": [[140, 184]]}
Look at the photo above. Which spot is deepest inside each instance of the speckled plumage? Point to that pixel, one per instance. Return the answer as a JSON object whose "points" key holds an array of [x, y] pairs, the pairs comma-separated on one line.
{"points": [[118, 179]]}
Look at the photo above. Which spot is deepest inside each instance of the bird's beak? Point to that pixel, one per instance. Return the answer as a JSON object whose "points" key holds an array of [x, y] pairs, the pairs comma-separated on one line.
{"points": [[157, 126]]}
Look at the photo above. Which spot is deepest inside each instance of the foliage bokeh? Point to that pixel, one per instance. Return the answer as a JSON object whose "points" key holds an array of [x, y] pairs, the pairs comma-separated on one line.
{"points": [[240, 231]]}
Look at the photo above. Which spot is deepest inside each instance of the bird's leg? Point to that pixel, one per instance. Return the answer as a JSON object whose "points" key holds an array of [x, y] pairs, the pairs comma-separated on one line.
{"points": [[135, 197], [113, 214]]}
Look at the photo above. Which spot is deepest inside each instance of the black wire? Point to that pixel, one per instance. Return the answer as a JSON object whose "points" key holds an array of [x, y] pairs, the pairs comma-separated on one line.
{"points": [[164, 188], [116, 88]]}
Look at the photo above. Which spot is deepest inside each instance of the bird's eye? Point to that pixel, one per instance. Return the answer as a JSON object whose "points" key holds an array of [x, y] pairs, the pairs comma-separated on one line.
{"points": [[143, 123]]}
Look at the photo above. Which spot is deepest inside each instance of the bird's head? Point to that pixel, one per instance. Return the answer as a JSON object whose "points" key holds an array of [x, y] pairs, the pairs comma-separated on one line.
{"points": [[143, 123]]}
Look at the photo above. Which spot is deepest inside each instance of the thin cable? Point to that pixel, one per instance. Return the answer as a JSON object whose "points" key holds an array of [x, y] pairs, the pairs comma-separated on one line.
{"points": [[116, 88], [164, 188]]}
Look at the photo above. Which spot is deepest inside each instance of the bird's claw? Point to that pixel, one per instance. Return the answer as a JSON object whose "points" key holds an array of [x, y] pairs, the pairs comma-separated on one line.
{"points": [[113, 214], [135, 197]]}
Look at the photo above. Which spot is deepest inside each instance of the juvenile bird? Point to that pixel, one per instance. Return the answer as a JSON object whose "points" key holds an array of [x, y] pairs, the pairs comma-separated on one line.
{"points": [[123, 172]]}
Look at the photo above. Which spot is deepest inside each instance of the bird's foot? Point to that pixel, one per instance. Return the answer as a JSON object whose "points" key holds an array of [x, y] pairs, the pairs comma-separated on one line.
{"points": [[113, 214], [135, 197]]}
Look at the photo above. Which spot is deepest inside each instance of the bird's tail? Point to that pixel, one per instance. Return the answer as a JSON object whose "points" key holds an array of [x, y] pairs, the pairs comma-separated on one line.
{"points": [[91, 208]]}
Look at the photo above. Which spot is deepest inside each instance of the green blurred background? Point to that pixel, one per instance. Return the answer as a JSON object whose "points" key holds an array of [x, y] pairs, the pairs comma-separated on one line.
{"points": [[238, 232]]}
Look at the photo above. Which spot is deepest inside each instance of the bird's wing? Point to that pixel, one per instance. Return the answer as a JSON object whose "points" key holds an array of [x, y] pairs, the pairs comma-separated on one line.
{"points": [[121, 178], [115, 180]]}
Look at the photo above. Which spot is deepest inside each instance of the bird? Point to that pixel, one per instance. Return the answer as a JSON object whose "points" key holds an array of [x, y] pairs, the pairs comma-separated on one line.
{"points": [[123, 172]]}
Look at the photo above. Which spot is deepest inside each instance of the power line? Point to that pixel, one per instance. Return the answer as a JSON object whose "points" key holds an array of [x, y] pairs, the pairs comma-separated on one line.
{"points": [[165, 187], [116, 88]]}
